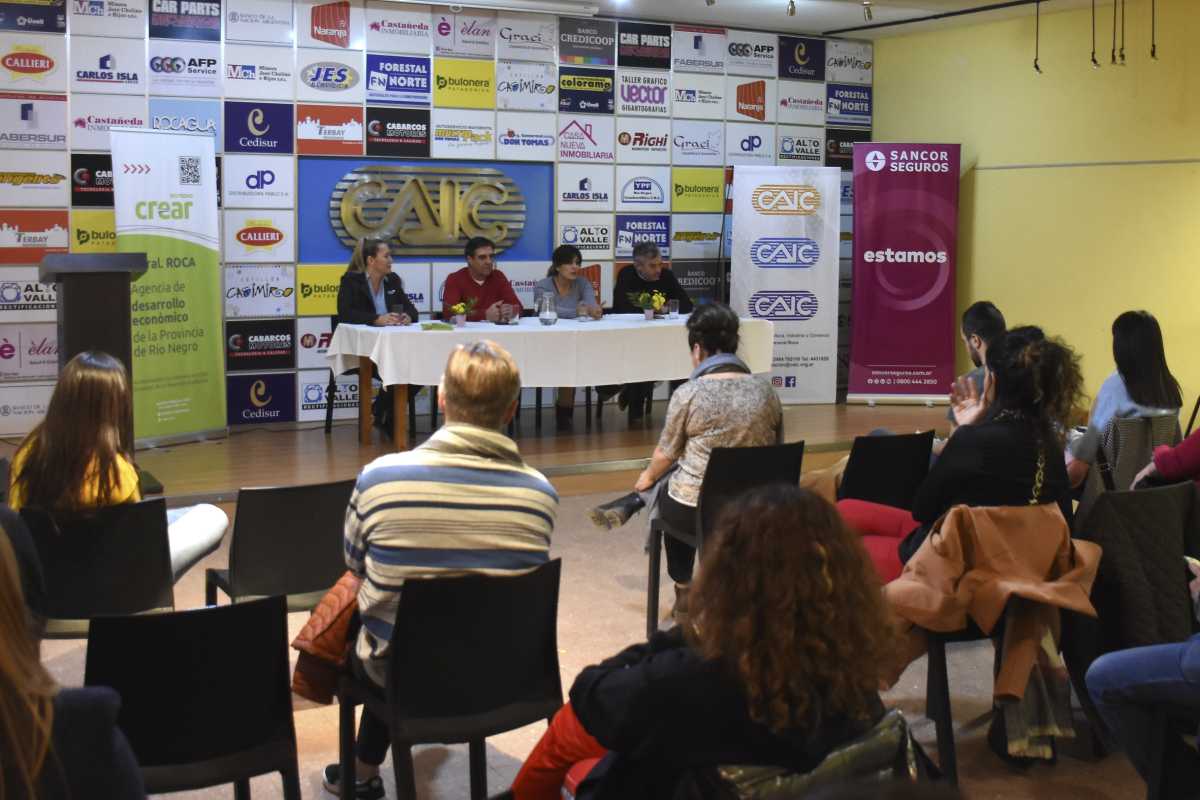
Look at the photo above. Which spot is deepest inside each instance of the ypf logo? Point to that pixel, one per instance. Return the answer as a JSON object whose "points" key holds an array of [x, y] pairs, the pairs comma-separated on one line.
{"points": [[780, 200], [258, 394], [777, 306], [785, 253], [875, 161]]}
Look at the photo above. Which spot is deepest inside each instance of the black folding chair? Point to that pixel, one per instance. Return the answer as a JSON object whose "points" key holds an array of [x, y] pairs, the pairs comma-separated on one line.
{"points": [[286, 540], [205, 694], [474, 656], [731, 471], [887, 469], [110, 562]]}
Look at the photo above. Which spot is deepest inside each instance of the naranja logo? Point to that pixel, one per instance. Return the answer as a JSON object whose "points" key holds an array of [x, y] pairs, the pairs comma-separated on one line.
{"points": [[779, 200]]}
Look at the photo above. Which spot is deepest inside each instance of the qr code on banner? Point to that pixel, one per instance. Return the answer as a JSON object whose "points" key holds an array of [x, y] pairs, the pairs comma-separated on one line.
{"points": [[189, 171]]}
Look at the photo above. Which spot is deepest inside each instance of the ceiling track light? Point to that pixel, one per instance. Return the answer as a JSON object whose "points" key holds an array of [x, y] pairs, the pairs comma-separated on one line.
{"points": [[1154, 29], [1095, 63], [868, 14], [791, 8], [1037, 36]]}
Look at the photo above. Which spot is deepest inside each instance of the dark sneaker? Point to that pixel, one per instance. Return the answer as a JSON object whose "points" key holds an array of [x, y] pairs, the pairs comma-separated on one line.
{"points": [[617, 513], [370, 789]]}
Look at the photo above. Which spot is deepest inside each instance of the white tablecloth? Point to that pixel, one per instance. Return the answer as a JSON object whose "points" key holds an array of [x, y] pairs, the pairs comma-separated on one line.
{"points": [[620, 348]]}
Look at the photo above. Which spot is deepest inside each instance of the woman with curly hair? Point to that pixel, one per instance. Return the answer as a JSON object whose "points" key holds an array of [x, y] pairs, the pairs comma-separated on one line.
{"points": [[777, 665]]}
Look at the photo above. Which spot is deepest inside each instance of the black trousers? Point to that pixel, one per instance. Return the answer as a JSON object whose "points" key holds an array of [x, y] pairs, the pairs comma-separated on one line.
{"points": [[373, 736], [681, 557]]}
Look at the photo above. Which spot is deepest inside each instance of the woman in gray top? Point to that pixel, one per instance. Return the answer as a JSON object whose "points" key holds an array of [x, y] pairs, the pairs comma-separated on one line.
{"points": [[573, 297], [721, 405]]}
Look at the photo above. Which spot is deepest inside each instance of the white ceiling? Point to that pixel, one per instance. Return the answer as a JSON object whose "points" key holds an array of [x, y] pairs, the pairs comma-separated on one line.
{"points": [[818, 16]]}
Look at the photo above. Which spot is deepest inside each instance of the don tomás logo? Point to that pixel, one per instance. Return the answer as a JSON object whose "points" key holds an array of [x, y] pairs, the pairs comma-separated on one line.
{"points": [[783, 306]]}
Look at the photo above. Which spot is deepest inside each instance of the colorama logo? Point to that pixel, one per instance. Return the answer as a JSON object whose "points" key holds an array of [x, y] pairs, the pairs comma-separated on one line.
{"points": [[780, 200], [778, 306], [785, 253], [752, 99], [331, 23]]}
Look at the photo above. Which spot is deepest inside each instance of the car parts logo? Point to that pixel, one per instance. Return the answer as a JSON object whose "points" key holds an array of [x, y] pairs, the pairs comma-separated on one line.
{"points": [[427, 211]]}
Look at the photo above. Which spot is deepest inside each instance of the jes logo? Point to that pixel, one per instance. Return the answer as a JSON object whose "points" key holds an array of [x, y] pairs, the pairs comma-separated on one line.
{"points": [[397, 203], [785, 253], [779, 200], [783, 305]]}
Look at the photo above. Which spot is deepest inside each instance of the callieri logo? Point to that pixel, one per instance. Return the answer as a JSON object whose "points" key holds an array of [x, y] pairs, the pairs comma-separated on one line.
{"points": [[27, 61], [781, 200], [396, 203], [777, 306], [259, 234], [785, 252]]}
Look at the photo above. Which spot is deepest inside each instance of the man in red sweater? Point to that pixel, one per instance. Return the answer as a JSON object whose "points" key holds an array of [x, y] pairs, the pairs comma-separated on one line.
{"points": [[480, 279]]}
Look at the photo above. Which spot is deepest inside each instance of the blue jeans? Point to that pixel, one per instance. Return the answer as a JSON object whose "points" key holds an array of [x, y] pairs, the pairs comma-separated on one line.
{"points": [[1129, 686]]}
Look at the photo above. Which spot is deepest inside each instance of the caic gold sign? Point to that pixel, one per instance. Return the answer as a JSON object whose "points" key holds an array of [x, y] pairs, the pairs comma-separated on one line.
{"points": [[427, 211]]}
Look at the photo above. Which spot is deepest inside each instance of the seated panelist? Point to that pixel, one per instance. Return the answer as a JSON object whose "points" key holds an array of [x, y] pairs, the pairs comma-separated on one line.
{"points": [[479, 280], [370, 293], [573, 297]]}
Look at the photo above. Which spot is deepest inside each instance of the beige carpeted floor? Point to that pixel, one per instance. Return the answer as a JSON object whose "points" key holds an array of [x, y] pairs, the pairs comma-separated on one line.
{"points": [[601, 610]]}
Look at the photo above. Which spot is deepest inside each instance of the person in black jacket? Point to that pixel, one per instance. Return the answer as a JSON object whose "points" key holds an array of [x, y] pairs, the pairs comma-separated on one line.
{"points": [[778, 663], [54, 743], [371, 294]]}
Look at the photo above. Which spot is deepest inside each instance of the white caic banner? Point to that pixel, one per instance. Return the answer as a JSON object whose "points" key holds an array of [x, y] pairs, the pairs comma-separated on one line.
{"points": [[785, 269]]}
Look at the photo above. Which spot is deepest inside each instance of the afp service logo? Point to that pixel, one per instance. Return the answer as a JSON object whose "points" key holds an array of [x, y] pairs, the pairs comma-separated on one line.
{"points": [[329, 76], [784, 306]]}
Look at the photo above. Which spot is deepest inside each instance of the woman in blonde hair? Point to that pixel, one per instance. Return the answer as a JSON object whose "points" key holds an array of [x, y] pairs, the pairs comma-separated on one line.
{"points": [[777, 664], [77, 458], [370, 293], [53, 743]]}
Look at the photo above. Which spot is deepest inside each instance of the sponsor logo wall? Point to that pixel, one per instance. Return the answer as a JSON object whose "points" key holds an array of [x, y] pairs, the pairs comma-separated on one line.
{"points": [[631, 120]]}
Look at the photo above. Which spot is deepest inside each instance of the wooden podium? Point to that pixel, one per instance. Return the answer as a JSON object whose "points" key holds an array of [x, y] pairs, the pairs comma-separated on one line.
{"points": [[93, 305]]}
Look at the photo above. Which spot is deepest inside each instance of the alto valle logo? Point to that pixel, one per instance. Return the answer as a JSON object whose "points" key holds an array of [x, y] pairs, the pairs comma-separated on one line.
{"points": [[781, 200], [397, 203], [259, 234], [783, 306], [331, 23], [785, 252], [330, 76], [27, 61]]}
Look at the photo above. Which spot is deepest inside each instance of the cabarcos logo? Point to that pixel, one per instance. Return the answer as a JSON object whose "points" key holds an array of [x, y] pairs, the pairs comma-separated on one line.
{"points": [[781, 200]]}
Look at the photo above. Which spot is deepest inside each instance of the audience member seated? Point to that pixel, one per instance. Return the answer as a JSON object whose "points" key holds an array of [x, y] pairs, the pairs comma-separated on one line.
{"points": [[648, 274], [778, 664], [982, 324], [76, 459], [371, 294], [479, 281], [462, 502], [29, 568], [1142, 386], [55, 744], [1004, 452], [573, 297], [1173, 464], [721, 405]]}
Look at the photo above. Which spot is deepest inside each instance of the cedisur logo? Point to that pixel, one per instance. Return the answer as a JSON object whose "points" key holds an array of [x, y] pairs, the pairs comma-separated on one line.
{"points": [[778, 200]]}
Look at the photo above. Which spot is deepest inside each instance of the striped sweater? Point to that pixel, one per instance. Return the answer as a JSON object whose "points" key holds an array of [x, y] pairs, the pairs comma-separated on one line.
{"points": [[463, 502]]}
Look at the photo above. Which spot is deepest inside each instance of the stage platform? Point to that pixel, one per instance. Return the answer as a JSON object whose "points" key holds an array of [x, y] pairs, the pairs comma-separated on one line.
{"points": [[600, 459]]}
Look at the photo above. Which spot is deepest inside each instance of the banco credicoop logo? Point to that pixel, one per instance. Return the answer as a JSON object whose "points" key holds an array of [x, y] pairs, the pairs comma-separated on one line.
{"points": [[783, 306], [785, 253]]}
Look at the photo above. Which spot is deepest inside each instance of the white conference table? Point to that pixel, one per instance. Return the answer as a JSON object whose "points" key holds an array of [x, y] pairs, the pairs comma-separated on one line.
{"points": [[619, 348]]}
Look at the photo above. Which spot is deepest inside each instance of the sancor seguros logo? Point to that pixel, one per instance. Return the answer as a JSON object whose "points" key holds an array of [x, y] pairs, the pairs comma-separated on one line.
{"points": [[778, 200], [396, 203]]}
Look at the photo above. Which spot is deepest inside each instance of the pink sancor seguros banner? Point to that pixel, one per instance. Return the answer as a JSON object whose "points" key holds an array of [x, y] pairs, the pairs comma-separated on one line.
{"points": [[902, 317]]}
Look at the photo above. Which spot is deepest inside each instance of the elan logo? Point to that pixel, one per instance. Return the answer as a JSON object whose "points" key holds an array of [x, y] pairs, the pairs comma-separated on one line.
{"points": [[780, 200], [785, 253], [778, 306]]}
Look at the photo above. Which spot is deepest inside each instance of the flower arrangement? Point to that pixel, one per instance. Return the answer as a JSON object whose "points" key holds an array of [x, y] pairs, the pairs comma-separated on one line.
{"points": [[649, 301], [465, 306]]}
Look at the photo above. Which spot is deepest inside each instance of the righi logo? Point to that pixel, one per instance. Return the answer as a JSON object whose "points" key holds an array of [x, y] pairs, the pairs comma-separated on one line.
{"points": [[779, 200], [397, 203], [331, 23], [778, 306], [259, 233], [785, 253]]}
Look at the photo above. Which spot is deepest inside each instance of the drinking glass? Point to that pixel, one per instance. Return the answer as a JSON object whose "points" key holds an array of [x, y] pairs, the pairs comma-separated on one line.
{"points": [[673, 309], [506, 313]]}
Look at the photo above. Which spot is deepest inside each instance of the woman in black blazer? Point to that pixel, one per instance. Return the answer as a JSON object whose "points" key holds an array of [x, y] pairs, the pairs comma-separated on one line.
{"points": [[368, 276]]}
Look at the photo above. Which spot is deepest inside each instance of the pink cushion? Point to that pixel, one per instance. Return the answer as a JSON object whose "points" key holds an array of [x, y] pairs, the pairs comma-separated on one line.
{"points": [[575, 776], [885, 555]]}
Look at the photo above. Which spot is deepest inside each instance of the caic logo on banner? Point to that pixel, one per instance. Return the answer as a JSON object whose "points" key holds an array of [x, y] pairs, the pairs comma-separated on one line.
{"points": [[777, 200], [780, 306], [785, 253], [396, 203], [331, 23]]}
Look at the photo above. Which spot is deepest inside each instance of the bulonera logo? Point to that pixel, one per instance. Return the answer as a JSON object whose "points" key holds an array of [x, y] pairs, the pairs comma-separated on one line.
{"points": [[27, 62], [259, 233], [785, 253], [331, 23], [779, 200], [778, 306]]}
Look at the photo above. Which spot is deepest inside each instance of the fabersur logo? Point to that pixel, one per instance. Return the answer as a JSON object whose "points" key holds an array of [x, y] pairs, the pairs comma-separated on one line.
{"points": [[785, 253], [781, 306], [782, 200], [330, 76]]}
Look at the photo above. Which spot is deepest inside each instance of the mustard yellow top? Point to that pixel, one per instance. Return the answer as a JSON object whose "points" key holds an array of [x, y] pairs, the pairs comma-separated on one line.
{"points": [[126, 490]]}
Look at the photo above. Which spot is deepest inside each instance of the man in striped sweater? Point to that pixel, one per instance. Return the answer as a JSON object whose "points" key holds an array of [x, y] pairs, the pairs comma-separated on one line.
{"points": [[463, 502]]}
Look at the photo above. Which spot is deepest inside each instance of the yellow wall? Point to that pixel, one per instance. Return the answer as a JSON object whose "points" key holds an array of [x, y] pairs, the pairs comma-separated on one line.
{"points": [[1067, 247]]}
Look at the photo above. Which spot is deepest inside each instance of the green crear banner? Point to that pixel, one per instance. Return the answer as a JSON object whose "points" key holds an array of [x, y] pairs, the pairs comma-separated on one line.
{"points": [[165, 187]]}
